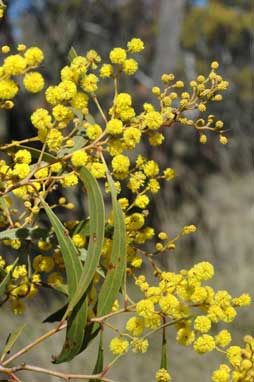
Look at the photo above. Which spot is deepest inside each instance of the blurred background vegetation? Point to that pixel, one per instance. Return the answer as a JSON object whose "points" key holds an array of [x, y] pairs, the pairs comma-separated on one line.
{"points": [[214, 188]]}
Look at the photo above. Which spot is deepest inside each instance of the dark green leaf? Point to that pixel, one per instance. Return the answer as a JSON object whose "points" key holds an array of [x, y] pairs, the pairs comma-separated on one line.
{"points": [[77, 319], [24, 234], [112, 283], [75, 332], [96, 226], [57, 315], [7, 279], [11, 340]]}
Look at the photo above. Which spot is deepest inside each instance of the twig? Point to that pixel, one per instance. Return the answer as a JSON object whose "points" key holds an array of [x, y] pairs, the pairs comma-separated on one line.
{"points": [[34, 343], [65, 376]]}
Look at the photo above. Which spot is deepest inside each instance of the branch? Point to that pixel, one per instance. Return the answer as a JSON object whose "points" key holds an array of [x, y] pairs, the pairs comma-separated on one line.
{"points": [[65, 376], [34, 343]]}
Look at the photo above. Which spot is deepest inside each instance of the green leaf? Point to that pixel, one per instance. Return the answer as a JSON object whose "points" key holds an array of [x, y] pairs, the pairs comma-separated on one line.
{"points": [[24, 234], [83, 228], [11, 340], [79, 142], [164, 352], [72, 54], [7, 279], [96, 227], [57, 315], [77, 320], [98, 368], [75, 332], [112, 283]]}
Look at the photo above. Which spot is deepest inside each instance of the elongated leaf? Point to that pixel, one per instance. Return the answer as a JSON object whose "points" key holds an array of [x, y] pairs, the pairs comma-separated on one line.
{"points": [[96, 227], [113, 280], [77, 320], [11, 340], [7, 279], [24, 233], [72, 54], [79, 142], [57, 315], [100, 359], [75, 332], [83, 228], [164, 353]]}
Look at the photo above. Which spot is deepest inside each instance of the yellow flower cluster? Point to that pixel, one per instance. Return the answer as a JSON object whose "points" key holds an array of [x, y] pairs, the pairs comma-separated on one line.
{"points": [[191, 307], [241, 363], [19, 64]]}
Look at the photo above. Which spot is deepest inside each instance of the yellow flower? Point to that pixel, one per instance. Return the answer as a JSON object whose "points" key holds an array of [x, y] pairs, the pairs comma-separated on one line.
{"points": [[243, 300], [221, 375], [114, 126], [131, 137], [130, 66], [153, 120], [106, 71], [54, 140], [135, 221], [21, 170], [223, 338], [120, 163], [43, 263], [140, 345], [33, 82], [55, 279], [151, 168], [61, 113], [185, 336], [14, 65], [163, 375], [234, 355], [8, 89], [79, 158], [204, 344], [145, 308], [98, 170], [93, 131], [135, 45], [79, 65], [79, 240], [168, 304], [89, 83], [118, 346], [202, 324], [34, 56], [117, 56], [69, 180], [23, 156], [67, 90], [52, 95], [41, 119], [56, 167], [223, 140], [79, 101], [141, 201]]}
